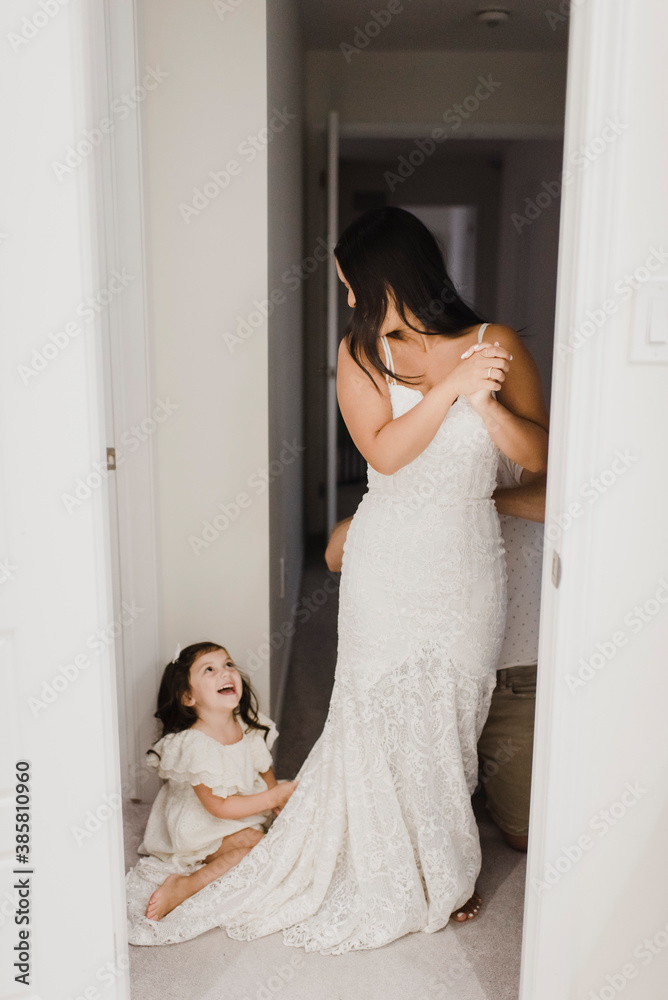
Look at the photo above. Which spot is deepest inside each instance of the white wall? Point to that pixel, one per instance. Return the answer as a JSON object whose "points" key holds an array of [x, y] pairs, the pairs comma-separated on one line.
{"points": [[204, 277], [58, 679], [597, 857], [285, 204]]}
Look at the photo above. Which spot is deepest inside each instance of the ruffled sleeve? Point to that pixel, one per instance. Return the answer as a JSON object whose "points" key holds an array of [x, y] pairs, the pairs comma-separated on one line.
{"points": [[260, 754], [193, 757]]}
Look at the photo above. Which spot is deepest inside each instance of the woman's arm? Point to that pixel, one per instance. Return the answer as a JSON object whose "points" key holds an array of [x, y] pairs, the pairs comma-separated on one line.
{"points": [[240, 806], [517, 420], [389, 444]]}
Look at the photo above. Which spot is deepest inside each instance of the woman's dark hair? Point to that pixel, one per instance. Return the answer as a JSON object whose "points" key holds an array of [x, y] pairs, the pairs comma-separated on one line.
{"points": [[389, 253], [175, 683]]}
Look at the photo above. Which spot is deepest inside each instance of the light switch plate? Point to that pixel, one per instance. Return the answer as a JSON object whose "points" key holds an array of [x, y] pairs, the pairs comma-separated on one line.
{"points": [[649, 339]]}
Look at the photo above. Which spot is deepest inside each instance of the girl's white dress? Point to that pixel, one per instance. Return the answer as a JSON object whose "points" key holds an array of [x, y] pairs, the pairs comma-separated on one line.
{"points": [[180, 831], [379, 838]]}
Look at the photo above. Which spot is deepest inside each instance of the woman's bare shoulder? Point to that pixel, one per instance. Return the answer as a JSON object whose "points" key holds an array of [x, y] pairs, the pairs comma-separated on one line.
{"points": [[505, 335], [349, 369]]}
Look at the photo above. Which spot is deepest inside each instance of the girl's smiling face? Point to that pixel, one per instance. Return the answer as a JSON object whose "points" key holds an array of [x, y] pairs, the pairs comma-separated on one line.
{"points": [[215, 683]]}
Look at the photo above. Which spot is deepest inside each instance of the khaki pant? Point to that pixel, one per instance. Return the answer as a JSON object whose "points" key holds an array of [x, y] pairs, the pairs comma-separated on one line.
{"points": [[505, 748]]}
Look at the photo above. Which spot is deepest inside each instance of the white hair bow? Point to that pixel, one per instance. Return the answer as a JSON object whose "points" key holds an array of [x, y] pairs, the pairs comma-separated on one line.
{"points": [[177, 652]]}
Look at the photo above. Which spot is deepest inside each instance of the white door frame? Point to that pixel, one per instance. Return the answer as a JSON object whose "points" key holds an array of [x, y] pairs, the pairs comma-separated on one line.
{"points": [[567, 947], [594, 66], [130, 382]]}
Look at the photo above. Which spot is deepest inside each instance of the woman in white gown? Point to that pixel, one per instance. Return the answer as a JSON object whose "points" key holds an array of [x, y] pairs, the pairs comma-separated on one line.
{"points": [[379, 838]]}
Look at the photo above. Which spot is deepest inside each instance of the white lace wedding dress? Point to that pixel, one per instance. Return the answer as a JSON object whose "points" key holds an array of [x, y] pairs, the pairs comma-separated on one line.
{"points": [[379, 839]]}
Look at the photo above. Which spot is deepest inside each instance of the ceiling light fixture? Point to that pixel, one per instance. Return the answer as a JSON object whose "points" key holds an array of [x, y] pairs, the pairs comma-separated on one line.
{"points": [[492, 16]]}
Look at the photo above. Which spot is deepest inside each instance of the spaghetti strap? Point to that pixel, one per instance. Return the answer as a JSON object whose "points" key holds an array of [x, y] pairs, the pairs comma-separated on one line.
{"points": [[481, 331], [388, 361]]}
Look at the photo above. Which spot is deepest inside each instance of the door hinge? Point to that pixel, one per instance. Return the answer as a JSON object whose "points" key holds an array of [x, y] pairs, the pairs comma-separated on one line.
{"points": [[111, 459], [556, 569]]}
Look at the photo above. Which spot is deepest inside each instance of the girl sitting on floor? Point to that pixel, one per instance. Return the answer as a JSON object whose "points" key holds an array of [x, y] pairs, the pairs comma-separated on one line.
{"points": [[220, 789]]}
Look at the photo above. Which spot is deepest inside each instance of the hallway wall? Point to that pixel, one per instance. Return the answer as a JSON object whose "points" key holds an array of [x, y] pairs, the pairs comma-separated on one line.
{"points": [[206, 197], [406, 87], [285, 72], [528, 245]]}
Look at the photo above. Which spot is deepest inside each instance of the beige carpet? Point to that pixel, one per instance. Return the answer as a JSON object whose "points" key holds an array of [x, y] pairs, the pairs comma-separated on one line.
{"points": [[475, 961]]}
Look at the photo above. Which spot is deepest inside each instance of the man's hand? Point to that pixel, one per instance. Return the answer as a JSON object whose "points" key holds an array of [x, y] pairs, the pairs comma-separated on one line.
{"points": [[334, 550]]}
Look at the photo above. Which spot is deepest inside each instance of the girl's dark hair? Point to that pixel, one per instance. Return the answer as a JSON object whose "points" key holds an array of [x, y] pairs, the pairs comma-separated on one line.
{"points": [[389, 252], [175, 683]]}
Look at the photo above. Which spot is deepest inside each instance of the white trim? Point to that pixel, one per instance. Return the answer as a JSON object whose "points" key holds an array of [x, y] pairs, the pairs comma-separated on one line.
{"points": [[133, 397], [595, 77]]}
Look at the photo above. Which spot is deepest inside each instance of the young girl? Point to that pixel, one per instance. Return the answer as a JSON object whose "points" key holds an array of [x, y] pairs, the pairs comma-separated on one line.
{"points": [[220, 788]]}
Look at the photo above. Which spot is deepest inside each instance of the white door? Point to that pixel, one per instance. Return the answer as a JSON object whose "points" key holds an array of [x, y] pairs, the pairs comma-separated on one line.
{"points": [[595, 920]]}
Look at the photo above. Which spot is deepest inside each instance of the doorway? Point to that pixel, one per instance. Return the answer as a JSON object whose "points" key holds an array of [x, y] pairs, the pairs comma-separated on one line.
{"points": [[470, 193]]}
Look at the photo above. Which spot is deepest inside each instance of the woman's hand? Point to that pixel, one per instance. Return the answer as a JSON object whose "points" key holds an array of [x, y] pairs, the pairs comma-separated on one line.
{"points": [[482, 370]]}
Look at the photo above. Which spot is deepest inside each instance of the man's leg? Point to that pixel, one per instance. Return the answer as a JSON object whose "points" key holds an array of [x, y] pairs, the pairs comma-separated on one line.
{"points": [[505, 750]]}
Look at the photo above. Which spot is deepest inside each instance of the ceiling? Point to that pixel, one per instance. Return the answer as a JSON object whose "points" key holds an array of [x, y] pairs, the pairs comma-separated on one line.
{"points": [[533, 25]]}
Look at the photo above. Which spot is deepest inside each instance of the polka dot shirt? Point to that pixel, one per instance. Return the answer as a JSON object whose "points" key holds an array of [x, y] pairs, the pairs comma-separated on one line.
{"points": [[524, 559]]}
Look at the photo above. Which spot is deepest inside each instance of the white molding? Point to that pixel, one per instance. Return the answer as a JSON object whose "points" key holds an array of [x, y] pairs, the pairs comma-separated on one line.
{"points": [[594, 83], [133, 397]]}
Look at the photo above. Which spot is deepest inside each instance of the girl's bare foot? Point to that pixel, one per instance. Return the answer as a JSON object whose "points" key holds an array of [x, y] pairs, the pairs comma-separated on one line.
{"points": [[469, 910], [177, 888], [173, 891]]}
